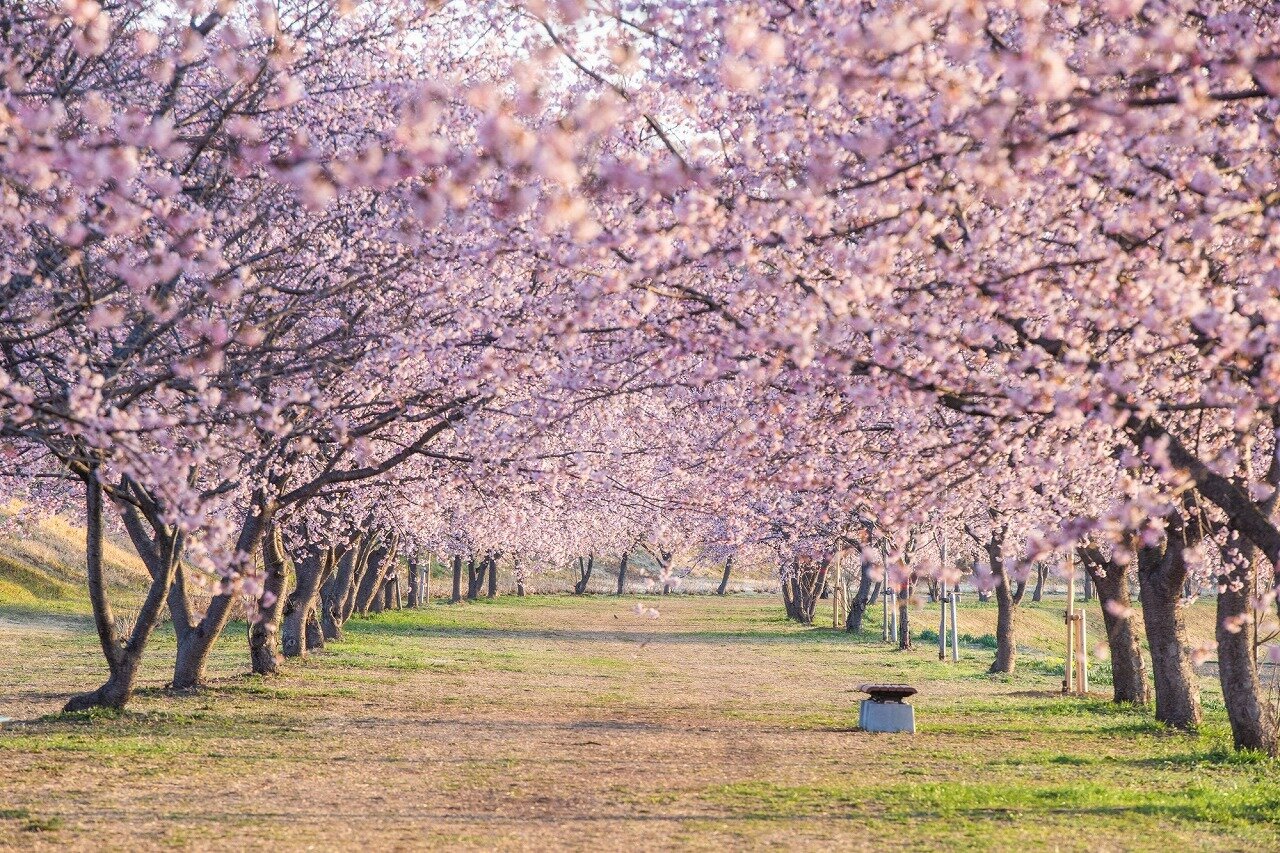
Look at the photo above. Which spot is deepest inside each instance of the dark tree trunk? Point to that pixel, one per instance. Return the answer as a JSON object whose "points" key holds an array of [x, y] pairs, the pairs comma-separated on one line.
{"points": [[1161, 573], [1006, 645], [160, 553], [361, 576], [415, 583], [800, 591], [473, 579], [372, 586], [335, 591], [875, 593], [314, 633], [585, 565], [493, 577], [264, 633], [300, 607], [622, 572], [1088, 587], [724, 579], [1007, 599], [457, 580], [1128, 672], [861, 601], [196, 639], [788, 597], [1042, 572], [1253, 724]]}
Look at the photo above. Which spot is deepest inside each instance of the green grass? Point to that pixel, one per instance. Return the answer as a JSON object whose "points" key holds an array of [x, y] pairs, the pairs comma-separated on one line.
{"points": [[554, 721]]}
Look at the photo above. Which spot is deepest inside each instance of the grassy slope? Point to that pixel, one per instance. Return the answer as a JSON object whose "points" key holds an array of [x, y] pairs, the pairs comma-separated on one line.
{"points": [[552, 721], [42, 567]]}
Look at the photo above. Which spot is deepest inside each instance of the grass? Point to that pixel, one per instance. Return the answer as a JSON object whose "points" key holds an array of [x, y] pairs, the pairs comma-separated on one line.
{"points": [[555, 721]]}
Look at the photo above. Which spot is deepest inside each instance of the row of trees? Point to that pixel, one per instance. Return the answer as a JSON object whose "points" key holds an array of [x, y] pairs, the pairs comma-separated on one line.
{"points": [[547, 280]]}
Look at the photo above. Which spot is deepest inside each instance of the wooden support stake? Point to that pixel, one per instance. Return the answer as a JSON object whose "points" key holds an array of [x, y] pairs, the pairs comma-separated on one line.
{"points": [[1069, 675]]}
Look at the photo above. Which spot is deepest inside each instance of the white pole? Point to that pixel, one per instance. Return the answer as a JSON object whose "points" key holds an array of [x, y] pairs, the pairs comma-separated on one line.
{"points": [[884, 603], [955, 632], [942, 620], [1069, 672]]}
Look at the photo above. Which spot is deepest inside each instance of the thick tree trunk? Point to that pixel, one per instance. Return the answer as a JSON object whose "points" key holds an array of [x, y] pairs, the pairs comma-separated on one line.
{"points": [[415, 583], [124, 655], [1128, 672], [300, 606], [875, 593], [493, 577], [264, 633], [861, 601], [314, 633], [372, 586], [1161, 573], [196, 640], [800, 592], [622, 572], [1006, 643], [361, 568], [1042, 572], [335, 592], [1253, 724], [724, 579], [585, 566], [457, 579], [473, 582]]}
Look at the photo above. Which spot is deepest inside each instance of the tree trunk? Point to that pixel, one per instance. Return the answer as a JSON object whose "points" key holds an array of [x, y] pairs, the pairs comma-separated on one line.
{"points": [[1253, 724], [1128, 672], [124, 655], [301, 604], [314, 633], [473, 583], [875, 593], [1006, 645], [415, 583], [361, 568], [1042, 572], [372, 586], [493, 577], [457, 579], [622, 572], [264, 633], [196, 639], [724, 579], [1161, 573], [585, 565], [334, 592], [861, 601]]}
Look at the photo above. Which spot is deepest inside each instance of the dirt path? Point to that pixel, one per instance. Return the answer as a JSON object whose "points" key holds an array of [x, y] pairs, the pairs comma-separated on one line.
{"points": [[551, 723]]}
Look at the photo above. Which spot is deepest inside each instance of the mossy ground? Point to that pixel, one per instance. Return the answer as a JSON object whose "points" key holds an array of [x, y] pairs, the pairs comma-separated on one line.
{"points": [[553, 721]]}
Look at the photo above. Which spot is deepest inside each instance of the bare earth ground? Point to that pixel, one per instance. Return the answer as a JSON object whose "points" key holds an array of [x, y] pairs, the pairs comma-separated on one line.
{"points": [[554, 722]]}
